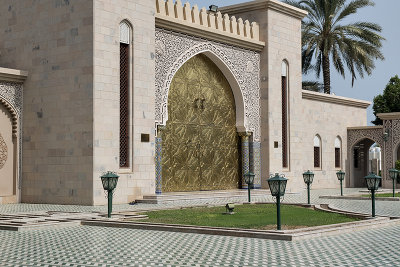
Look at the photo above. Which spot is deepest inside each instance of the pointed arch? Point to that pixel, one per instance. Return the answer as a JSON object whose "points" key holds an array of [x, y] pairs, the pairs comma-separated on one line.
{"points": [[225, 69], [338, 152], [317, 152]]}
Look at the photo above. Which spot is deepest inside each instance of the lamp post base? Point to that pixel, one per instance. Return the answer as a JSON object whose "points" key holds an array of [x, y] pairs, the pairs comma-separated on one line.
{"points": [[109, 204]]}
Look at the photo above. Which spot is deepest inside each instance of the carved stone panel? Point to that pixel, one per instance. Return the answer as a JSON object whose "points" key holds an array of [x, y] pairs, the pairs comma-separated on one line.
{"points": [[174, 49], [3, 152]]}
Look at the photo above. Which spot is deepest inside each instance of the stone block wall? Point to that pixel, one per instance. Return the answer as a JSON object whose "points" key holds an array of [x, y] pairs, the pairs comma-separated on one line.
{"points": [[139, 178], [280, 29], [53, 41]]}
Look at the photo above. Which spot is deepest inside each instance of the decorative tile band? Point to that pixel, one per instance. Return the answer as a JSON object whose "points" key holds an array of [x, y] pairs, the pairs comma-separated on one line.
{"points": [[158, 165], [245, 145], [255, 162]]}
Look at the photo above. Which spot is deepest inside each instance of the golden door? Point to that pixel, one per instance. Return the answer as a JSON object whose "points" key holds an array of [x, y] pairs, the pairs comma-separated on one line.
{"points": [[200, 142]]}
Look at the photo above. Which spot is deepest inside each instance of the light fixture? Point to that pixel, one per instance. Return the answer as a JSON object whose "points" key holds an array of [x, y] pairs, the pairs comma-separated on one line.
{"points": [[214, 8], [340, 175], [373, 181], [277, 185], [109, 181], [249, 180]]}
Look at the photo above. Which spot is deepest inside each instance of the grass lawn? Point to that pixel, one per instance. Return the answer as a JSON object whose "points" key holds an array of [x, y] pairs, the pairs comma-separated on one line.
{"points": [[383, 195], [260, 216]]}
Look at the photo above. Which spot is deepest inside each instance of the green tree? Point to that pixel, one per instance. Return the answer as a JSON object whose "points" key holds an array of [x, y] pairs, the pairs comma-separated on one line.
{"points": [[389, 101], [326, 39]]}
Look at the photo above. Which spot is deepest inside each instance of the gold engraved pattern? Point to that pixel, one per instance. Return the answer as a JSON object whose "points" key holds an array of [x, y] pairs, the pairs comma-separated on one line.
{"points": [[200, 143], [3, 152]]}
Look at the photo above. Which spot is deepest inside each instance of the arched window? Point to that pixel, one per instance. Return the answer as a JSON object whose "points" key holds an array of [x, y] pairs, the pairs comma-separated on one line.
{"points": [[317, 151], [285, 115], [124, 133], [338, 152]]}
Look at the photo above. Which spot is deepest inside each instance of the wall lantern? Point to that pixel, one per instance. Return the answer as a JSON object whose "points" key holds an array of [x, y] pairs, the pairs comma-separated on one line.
{"points": [[373, 181], [340, 175], [386, 135], [214, 8], [277, 185], [308, 177], [109, 181], [394, 173], [249, 180]]}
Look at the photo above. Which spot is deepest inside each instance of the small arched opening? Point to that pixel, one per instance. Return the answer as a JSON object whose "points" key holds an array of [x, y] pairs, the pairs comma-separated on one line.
{"points": [[365, 158]]}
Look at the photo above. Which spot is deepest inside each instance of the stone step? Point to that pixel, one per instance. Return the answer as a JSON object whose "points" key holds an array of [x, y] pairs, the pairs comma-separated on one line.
{"points": [[199, 195]]}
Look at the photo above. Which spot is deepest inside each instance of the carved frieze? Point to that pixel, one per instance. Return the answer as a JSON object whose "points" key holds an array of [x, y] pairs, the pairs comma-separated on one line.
{"points": [[3, 152], [11, 93], [174, 49]]}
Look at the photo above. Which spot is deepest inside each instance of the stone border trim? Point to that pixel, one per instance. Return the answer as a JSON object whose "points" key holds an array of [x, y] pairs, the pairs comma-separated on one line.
{"points": [[204, 24], [389, 116], [13, 75], [265, 4], [361, 198], [285, 235], [335, 99]]}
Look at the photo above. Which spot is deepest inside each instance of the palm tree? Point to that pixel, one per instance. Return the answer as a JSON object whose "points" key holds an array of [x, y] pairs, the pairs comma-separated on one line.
{"points": [[326, 38]]}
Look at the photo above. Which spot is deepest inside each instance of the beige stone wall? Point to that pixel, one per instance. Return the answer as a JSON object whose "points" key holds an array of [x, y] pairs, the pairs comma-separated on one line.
{"points": [[328, 120], [53, 40], [280, 28], [7, 156], [139, 179]]}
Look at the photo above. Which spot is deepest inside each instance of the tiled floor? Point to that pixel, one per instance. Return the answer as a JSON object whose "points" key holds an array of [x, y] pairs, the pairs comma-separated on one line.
{"points": [[96, 246]]}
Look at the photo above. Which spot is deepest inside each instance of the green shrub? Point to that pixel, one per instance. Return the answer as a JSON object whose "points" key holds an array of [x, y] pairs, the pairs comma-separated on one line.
{"points": [[398, 164]]}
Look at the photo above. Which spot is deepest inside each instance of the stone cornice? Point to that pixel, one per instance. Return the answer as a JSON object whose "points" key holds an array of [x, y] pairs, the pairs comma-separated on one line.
{"points": [[168, 23], [12, 75], [389, 116], [365, 128], [335, 99], [265, 5]]}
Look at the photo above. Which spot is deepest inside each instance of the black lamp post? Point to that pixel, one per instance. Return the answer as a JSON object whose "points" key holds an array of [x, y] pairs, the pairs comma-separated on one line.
{"points": [[373, 181], [340, 175], [277, 185], [308, 177], [109, 181], [249, 180], [393, 173]]}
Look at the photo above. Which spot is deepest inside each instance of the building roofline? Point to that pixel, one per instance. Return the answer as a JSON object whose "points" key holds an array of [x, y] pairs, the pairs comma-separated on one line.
{"points": [[365, 128], [340, 100], [389, 116], [265, 5]]}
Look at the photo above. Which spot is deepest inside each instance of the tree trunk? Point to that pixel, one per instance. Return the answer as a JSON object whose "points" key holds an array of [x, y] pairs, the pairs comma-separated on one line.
{"points": [[327, 74]]}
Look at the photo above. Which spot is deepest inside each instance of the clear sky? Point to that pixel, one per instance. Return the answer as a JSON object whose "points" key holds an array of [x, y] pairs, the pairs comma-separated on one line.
{"points": [[386, 14]]}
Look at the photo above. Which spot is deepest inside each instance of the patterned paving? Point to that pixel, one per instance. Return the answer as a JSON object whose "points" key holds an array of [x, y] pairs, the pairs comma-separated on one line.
{"points": [[96, 246]]}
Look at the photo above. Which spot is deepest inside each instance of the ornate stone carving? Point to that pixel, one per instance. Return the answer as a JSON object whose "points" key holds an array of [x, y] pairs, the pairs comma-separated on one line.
{"points": [[181, 47], [354, 136], [11, 98], [3, 152], [11, 93]]}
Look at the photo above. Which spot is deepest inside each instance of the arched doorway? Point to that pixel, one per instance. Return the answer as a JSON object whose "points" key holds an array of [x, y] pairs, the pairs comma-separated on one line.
{"points": [[200, 141], [363, 160], [7, 154]]}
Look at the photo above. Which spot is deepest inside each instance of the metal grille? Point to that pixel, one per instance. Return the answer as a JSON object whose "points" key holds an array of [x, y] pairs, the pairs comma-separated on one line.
{"points": [[124, 106], [317, 157], [284, 125], [337, 157]]}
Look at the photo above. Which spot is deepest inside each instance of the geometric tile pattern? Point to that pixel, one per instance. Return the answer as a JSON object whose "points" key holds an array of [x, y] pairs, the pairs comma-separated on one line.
{"points": [[255, 162], [97, 246], [245, 156], [158, 165]]}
